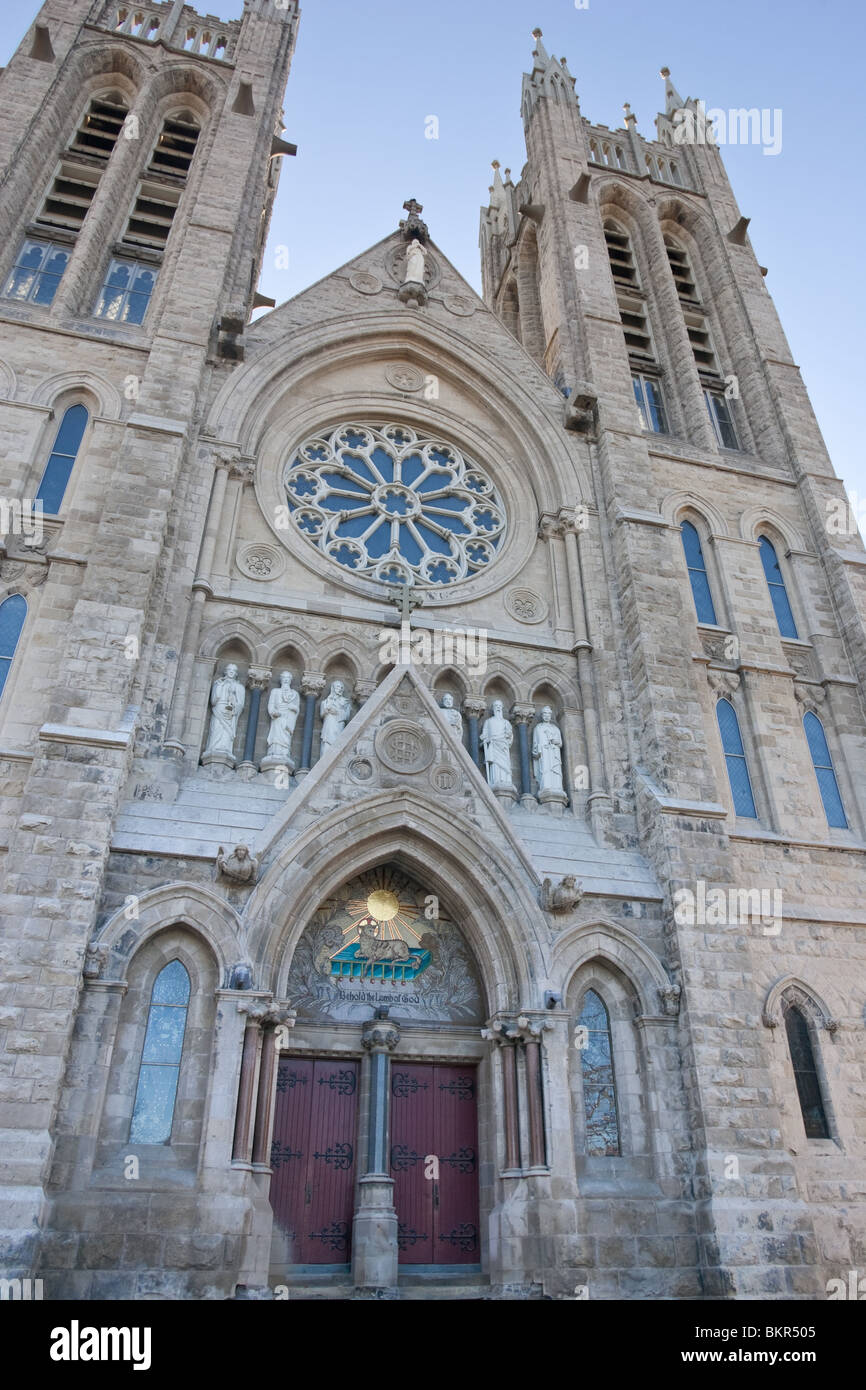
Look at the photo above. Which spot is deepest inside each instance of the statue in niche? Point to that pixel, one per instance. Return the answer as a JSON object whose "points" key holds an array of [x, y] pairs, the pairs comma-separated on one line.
{"points": [[416, 262], [284, 705], [453, 718], [227, 699], [240, 866], [497, 736], [547, 753], [336, 711]]}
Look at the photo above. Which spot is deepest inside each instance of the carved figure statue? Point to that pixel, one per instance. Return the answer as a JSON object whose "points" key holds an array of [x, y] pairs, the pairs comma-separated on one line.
{"points": [[227, 699], [497, 736], [566, 895], [453, 718], [547, 753], [416, 261], [284, 705], [336, 711], [240, 866]]}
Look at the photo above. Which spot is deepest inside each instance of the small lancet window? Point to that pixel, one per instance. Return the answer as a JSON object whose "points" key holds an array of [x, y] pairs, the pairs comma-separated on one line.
{"points": [[778, 592], [806, 1074], [735, 760], [599, 1084], [156, 1093], [697, 568], [61, 460], [825, 772], [13, 611]]}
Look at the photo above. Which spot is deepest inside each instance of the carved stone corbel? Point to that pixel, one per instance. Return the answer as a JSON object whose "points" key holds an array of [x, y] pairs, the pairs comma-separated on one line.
{"points": [[721, 682]]}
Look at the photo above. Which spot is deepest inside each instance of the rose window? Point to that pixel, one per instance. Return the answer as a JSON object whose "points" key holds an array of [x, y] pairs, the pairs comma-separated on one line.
{"points": [[394, 505]]}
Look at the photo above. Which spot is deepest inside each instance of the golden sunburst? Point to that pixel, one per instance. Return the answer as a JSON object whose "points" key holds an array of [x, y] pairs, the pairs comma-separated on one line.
{"points": [[393, 915]]}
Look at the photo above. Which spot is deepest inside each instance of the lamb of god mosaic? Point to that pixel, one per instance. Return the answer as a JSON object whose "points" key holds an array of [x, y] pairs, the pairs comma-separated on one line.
{"points": [[394, 505], [381, 942]]}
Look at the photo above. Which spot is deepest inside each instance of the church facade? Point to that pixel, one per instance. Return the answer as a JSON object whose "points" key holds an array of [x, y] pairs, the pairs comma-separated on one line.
{"points": [[432, 733]]}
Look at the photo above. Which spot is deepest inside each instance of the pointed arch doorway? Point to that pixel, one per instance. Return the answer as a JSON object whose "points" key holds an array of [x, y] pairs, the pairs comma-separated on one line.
{"points": [[397, 1118]]}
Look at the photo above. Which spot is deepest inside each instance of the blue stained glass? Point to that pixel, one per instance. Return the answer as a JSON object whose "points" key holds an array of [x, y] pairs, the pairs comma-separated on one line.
{"points": [[396, 504], [701, 594], [824, 772], [384, 463], [12, 614], [346, 555], [59, 467], [735, 758], [778, 592], [434, 541], [153, 1111], [441, 573], [409, 547], [358, 466], [411, 468], [433, 482], [38, 268], [379, 541], [119, 275], [346, 484], [450, 504], [303, 486], [599, 1085], [354, 526], [486, 520]]}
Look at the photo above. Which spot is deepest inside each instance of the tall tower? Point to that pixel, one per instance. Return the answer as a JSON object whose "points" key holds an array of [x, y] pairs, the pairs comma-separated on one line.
{"points": [[624, 267], [139, 153]]}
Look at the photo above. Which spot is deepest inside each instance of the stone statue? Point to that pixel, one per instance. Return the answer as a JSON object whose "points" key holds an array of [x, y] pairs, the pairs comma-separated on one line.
{"points": [[547, 753], [336, 711], [416, 261], [240, 866], [566, 895], [227, 699], [497, 736], [453, 718], [284, 705]]}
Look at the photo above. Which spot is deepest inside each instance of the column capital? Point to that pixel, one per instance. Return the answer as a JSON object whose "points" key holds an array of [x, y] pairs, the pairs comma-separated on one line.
{"points": [[312, 683], [381, 1033], [522, 714], [364, 689], [474, 707], [567, 521], [259, 677]]}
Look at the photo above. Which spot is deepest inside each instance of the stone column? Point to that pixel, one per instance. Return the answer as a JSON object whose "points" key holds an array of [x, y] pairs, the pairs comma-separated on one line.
{"points": [[242, 1144], [474, 710], [530, 1034], [258, 679], [522, 716], [200, 590], [506, 1044], [312, 685], [274, 1030], [374, 1229]]}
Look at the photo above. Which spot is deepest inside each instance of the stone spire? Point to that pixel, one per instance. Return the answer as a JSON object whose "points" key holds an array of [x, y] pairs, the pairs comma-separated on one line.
{"points": [[539, 53], [673, 100]]}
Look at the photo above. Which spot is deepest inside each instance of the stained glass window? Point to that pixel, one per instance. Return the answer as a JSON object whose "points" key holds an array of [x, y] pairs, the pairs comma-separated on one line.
{"points": [[62, 459], [735, 758], [698, 573], [823, 765], [12, 614], [38, 269], [599, 1086], [153, 1113], [394, 505], [778, 592], [806, 1074], [126, 292]]}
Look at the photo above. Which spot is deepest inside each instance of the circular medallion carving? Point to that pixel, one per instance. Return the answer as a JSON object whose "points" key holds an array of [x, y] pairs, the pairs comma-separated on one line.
{"points": [[526, 606], [395, 264], [260, 561], [404, 378], [365, 283], [360, 770], [404, 746], [444, 778], [459, 304]]}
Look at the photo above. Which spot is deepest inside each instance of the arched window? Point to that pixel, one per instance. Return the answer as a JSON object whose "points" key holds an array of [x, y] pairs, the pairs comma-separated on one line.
{"points": [[823, 765], [153, 1113], [599, 1084], [735, 758], [697, 568], [806, 1074], [778, 592], [62, 458], [12, 614]]}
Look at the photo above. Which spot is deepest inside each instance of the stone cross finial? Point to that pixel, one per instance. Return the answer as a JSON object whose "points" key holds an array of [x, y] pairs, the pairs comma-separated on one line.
{"points": [[412, 227], [405, 600]]}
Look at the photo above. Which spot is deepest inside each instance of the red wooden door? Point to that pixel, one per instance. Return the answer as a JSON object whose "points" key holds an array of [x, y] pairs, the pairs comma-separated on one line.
{"points": [[313, 1157], [434, 1163]]}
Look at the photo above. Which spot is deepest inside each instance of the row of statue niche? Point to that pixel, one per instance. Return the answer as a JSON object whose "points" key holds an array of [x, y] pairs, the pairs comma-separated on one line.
{"points": [[228, 698], [497, 736]]}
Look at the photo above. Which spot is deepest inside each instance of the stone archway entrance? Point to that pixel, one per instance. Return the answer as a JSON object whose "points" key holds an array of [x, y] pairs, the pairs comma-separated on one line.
{"points": [[375, 1155]]}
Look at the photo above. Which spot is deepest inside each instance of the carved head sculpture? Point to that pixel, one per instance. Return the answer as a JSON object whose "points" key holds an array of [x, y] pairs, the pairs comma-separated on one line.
{"points": [[231, 671], [547, 714], [497, 709], [242, 852], [286, 680], [447, 701], [569, 881], [336, 687]]}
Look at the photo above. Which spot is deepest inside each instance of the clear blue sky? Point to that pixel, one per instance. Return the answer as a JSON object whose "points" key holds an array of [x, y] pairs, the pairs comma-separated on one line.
{"points": [[366, 76]]}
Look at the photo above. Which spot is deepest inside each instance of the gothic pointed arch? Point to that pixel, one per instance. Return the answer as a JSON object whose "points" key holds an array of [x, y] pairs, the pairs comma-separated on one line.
{"points": [[607, 941], [189, 905]]}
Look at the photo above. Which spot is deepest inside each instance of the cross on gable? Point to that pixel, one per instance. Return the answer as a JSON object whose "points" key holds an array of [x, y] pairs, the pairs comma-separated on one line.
{"points": [[414, 209], [405, 598]]}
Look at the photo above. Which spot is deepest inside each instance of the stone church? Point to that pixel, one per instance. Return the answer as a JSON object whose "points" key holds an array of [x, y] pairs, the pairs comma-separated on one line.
{"points": [[432, 728]]}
